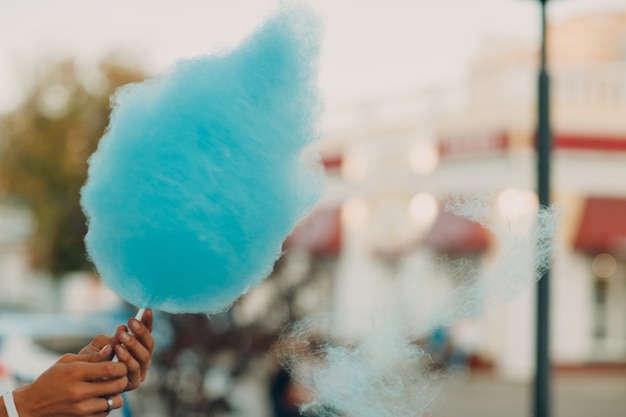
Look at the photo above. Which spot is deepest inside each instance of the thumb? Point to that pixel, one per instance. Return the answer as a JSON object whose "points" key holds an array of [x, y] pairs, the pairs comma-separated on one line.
{"points": [[98, 356]]}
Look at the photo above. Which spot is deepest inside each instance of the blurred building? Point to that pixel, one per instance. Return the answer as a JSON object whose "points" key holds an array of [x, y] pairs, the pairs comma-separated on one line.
{"points": [[15, 226], [393, 161], [381, 231]]}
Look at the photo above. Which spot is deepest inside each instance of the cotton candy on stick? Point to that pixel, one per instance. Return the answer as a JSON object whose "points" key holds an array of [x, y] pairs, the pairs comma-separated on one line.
{"points": [[200, 176]]}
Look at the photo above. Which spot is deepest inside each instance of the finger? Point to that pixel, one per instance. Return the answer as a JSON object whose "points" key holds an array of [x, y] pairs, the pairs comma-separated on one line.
{"points": [[136, 345], [104, 387], [103, 348], [70, 358], [143, 332], [120, 329], [135, 373], [96, 344], [147, 319], [99, 406], [101, 355], [100, 341], [94, 357], [95, 371], [141, 357]]}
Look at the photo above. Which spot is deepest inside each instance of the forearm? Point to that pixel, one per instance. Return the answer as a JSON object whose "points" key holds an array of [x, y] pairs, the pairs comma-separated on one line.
{"points": [[19, 404], [3, 409], [23, 405]]}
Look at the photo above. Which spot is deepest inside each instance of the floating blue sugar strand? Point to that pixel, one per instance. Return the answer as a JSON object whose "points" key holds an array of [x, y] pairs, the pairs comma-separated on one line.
{"points": [[384, 372], [200, 175]]}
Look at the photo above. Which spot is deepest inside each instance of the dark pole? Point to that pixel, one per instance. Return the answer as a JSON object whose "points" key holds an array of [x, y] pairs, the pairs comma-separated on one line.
{"points": [[542, 374]]}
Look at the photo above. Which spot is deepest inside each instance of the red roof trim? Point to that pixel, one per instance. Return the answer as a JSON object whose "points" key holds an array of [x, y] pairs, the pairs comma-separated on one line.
{"points": [[596, 143]]}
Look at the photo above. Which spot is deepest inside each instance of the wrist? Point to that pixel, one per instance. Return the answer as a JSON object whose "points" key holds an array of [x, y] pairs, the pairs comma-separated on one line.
{"points": [[20, 396], [3, 410], [9, 405]]}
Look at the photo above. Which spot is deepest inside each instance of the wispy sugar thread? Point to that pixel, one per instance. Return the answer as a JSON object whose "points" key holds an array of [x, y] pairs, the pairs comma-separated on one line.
{"points": [[526, 243], [387, 373]]}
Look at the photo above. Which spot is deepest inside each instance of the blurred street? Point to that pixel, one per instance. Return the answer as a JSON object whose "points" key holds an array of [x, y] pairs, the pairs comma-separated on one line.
{"points": [[580, 394]]}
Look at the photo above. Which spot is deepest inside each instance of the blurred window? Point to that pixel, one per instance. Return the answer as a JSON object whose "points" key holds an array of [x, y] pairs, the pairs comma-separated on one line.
{"points": [[621, 84], [600, 324], [621, 54]]}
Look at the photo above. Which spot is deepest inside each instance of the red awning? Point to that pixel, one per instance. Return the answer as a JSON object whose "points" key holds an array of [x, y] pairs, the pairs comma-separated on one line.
{"points": [[320, 233], [456, 235], [602, 226]]}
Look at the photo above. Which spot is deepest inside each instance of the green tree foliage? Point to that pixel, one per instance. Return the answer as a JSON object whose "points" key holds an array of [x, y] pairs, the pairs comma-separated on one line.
{"points": [[44, 148]]}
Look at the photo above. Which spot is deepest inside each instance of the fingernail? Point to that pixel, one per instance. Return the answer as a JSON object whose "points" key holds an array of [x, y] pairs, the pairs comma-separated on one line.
{"points": [[105, 349], [125, 337], [134, 324]]}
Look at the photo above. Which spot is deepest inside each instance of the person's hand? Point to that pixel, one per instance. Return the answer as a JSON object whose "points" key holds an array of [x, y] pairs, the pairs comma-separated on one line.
{"points": [[76, 385], [135, 350]]}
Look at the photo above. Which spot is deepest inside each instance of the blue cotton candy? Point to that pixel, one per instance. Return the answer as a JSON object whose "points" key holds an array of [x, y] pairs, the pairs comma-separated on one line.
{"points": [[200, 176]]}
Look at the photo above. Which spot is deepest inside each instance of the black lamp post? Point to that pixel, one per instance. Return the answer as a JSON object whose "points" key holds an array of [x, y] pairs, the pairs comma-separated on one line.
{"points": [[542, 374]]}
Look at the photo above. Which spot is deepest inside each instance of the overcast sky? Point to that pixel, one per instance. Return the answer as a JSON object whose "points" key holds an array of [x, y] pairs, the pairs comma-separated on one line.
{"points": [[370, 47]]}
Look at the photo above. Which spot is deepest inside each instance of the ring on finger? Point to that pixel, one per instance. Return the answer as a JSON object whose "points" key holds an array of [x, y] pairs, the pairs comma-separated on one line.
{"points": [[109, 404]]}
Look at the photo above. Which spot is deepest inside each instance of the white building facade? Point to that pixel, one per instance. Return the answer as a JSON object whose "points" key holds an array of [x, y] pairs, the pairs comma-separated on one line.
{"points": [[395, 161]]}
